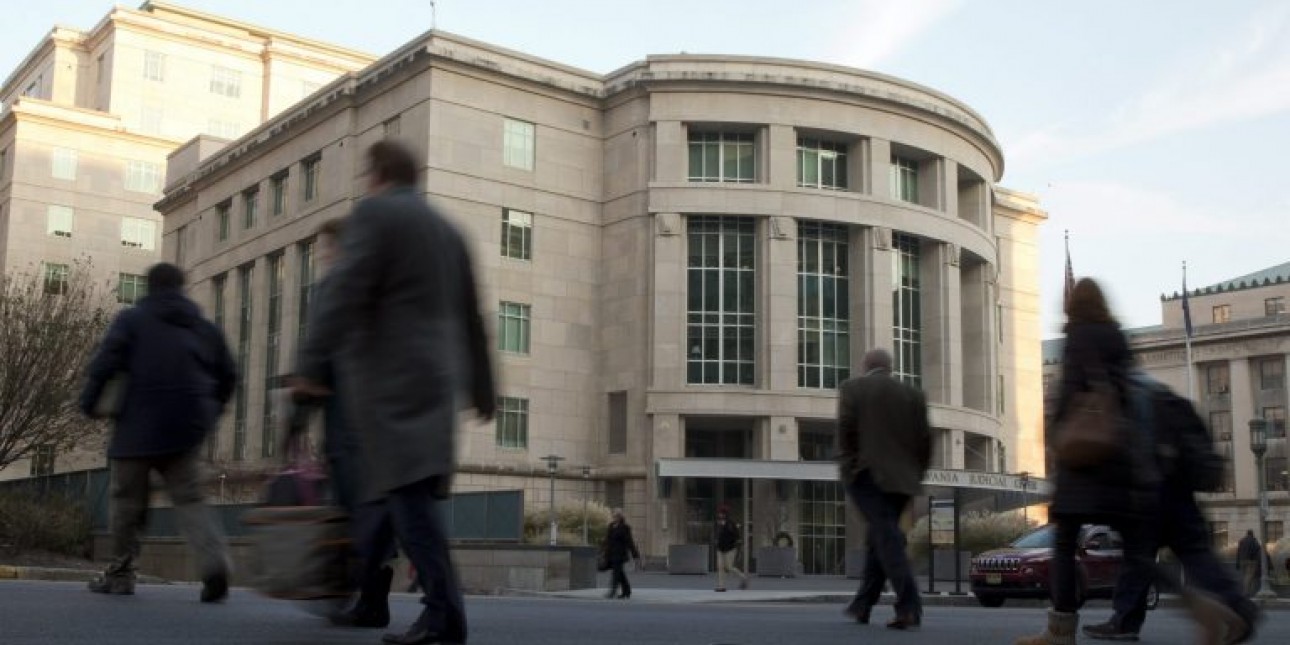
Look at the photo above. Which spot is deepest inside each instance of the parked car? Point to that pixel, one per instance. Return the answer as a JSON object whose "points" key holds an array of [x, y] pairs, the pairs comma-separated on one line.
{"points": [[1021, 570]]}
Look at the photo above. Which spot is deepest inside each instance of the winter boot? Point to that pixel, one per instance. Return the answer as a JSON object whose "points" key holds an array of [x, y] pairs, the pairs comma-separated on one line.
{"points": [[1061, 630], [373, 606]]}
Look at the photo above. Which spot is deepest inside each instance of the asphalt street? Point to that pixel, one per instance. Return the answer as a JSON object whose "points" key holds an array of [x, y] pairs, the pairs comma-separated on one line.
{"points": [[64, 613]]}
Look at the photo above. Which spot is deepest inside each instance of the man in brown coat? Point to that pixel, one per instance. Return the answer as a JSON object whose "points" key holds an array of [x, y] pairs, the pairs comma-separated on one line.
{"points": [[884, 446]]}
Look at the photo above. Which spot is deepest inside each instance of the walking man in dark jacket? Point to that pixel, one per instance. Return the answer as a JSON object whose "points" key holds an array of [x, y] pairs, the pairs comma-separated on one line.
{"points": [[1249, 559], [619, 546], [884, 447], [399, 319], [728, 540], [174, 375]]}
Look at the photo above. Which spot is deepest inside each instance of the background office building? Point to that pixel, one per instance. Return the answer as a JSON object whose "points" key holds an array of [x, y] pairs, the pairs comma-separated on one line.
{"points": [[1240, 344], [89, 117], [681, 260]]}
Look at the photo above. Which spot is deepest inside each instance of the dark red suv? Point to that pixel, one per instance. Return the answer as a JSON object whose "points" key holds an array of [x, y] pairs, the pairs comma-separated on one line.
{"points": [[1021, 570]]}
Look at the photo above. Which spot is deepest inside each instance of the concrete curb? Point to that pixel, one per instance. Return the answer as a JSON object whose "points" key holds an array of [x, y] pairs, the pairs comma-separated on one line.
{"points": [[53, 574]]}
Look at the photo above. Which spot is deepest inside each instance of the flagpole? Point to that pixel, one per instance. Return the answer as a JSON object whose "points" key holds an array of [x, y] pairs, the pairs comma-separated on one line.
{"points": [[1191, 373]]}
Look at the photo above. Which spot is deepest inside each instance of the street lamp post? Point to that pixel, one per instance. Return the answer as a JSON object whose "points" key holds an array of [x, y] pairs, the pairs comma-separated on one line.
{"points": [[586, 478], [1259, 446], [552, 463], [1025, 498]]}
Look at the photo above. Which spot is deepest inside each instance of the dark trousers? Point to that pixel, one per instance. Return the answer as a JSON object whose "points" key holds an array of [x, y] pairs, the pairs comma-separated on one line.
{"points": [[885, 559], [130, 491], [1182, 528], [618, 578], [410, 515]]}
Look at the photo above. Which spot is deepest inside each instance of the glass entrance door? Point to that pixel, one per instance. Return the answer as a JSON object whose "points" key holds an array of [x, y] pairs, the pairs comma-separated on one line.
{"points": [[822, 507]]}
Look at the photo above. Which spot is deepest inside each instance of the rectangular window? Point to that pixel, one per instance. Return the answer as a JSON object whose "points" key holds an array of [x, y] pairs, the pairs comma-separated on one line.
{"points": [[226, 82], [615, 494], [278, 191], [138, 233], [222, 221], [1272, 373], [217, 300], [721, 305], [130, 288], [64, 164], [56, 278], [513, 321], [250, 206], [823, 305], [907, 308], [1218, 535], [42, 460], [512, 422], [904, 179], [1271, 306], [310, 169], [154, 66], [1217, 379], [517, 234], [518, 144], [143, 177], [181, 241], [245, 284], [1222, 314], [150, 119], [1275, 468], [1275, 529], [273, 341], [1220, 425], [58, 221], [305, 280], [617, 423], [821, 164], [723, 157], [1276, 418], [223, 129], [392, 127]]}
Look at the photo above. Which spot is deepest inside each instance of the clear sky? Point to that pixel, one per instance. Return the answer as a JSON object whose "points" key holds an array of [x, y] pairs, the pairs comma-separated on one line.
{"points": [[1156, 132]]}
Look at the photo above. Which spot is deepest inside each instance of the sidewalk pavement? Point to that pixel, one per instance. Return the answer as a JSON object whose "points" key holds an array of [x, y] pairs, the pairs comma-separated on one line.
{"points": [[58, 574]]}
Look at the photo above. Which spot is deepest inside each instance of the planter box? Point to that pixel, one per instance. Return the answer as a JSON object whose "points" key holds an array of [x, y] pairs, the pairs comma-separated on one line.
{"points": [[777, 561], [687, 559]]}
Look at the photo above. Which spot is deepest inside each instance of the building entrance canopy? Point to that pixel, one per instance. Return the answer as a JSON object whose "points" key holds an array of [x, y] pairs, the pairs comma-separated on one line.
{"points": [[828, 471]]}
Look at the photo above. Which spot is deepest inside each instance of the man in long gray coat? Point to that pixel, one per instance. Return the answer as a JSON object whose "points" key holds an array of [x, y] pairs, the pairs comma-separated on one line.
{"points": [[884, 446], [400, 318]]}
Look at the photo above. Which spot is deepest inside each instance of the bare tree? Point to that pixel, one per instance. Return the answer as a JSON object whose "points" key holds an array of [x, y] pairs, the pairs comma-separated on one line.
{"points": [[50, 323]]}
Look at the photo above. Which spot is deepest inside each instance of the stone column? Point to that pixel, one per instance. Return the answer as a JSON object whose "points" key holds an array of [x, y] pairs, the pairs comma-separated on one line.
{"points": [[777, 359], [671, 157], [879, 176], [942, 329], [978, 335], [950, 187], [667, 307], [1245, 469], [665, 515], [871, 286], [779, 440], [781, 156]]}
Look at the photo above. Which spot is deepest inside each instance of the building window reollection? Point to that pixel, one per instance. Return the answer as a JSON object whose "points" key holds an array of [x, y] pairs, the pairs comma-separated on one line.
{"points": [[512, 422], [278, 193], [56, 278], [221, 221], [518, 144], [250, 207], [58, 220], [1220, 424], [821, 164], [904, 179], [310, 168], [142, 177], [1217, 379], [1274, 306], [154, 66], [1222, 314], [517, 234], [907, 309], [513, 327], [723, 157], [226, 82], [273, 340], [1272, 373], [1276, 418], [217, 300], [305, 276], [130, 288], [1218, 535], [42, 460], [138, 233], [823, 305], [721, 310], [245, 277]]}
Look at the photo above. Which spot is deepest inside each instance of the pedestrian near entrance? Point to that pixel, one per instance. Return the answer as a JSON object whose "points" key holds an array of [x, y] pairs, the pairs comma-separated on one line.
{"points": [[1249, 559], [728, 540], [399, 319], [174, 375], [884, 447], [619, 546]]}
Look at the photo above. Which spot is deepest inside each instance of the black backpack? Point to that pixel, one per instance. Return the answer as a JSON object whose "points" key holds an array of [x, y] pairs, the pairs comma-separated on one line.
{"points": [[1184, 445]]}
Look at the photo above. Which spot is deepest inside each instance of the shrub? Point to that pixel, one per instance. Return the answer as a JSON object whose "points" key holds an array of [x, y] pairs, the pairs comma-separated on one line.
{"points": [[49, 523], [568, 518], [979, 531]]}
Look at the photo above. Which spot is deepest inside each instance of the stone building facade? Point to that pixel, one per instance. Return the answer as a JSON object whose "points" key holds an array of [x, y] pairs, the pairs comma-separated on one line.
{"points": [[681, 260], [88, 119]]}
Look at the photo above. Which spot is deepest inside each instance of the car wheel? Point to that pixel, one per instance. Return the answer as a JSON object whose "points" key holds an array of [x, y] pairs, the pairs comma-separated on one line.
{"points": [[990, 600], [1153, 596]]}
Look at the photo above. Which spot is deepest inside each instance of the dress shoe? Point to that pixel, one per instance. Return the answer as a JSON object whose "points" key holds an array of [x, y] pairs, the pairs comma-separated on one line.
{"points": [[858, 613], [420, 636], [215, 587], [906, 622], [118, 585]]}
